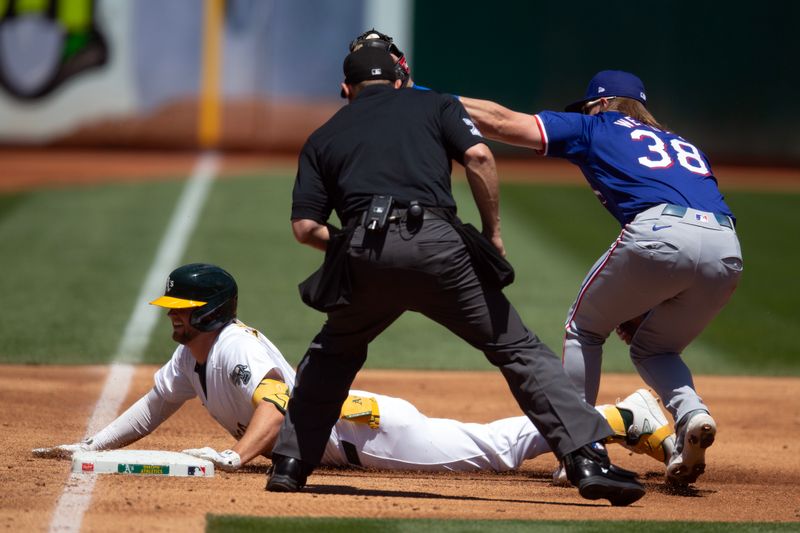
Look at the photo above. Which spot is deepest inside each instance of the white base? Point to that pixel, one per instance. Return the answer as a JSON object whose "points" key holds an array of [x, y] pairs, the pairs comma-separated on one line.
{"points": [[141, 462]]}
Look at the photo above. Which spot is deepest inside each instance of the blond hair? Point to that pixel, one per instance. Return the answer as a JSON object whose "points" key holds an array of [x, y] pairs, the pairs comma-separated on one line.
{"points": [[634, 109]]}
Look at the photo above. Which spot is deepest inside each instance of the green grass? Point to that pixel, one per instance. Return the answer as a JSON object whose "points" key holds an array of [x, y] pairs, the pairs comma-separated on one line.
{"points": [[10, 202], [760, 327], [73, 261], [239, 524]]}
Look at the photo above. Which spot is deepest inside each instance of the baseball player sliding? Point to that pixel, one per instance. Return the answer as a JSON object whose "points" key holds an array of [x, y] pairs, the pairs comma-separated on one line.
{"points": [[245, 384]]}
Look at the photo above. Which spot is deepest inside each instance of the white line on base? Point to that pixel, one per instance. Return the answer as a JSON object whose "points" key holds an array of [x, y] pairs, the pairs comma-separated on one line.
{"points": [[77, 493]]}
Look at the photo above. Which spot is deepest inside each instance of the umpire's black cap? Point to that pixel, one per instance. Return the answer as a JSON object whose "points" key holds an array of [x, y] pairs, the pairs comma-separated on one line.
{"points": [[368, 63]]}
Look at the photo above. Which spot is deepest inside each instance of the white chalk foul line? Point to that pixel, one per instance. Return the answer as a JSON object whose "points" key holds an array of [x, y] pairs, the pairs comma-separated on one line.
{"points": [[77, 493]]}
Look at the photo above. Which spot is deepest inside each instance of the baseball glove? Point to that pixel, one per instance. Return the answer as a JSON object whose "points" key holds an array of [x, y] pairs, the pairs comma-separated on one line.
{"points": [[627, 329]]}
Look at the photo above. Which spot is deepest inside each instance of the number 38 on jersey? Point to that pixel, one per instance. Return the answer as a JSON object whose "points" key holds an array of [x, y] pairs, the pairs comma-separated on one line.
{"points": [[663, 155]]}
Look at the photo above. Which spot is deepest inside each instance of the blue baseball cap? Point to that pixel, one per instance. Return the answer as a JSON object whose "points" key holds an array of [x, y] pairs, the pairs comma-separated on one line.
{"points": [[611, 83]]}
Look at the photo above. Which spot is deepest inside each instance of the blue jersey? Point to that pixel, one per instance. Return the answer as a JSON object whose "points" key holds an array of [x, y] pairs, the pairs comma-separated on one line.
{"points": [[632, 166]]}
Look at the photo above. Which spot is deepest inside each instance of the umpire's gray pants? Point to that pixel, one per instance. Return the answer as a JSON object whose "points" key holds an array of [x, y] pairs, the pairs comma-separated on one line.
{"points": [[679, 272], [429, 272]]}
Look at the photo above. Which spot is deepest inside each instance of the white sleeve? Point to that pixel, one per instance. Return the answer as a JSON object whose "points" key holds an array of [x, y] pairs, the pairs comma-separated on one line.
{"points": [[139, 420], [171, 381]]}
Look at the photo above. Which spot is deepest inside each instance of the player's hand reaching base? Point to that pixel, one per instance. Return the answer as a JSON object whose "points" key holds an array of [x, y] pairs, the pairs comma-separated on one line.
{"points": [[227, 460], [62, 451]]}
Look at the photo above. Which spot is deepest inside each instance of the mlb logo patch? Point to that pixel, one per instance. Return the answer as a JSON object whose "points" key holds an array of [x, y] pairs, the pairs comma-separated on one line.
{"points": [[701, 218], [197, 471]]}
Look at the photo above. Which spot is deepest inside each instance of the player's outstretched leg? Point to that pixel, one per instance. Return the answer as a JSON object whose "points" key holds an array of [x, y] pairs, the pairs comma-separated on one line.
{"points": [[640, 425]]}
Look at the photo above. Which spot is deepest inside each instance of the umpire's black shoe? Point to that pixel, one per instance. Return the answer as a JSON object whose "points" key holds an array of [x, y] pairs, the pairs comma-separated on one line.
{"points": [[589, 469], [287, 474]]}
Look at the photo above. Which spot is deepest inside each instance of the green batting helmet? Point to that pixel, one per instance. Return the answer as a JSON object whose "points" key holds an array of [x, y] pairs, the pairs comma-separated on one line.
{"points": [[209, 289]]}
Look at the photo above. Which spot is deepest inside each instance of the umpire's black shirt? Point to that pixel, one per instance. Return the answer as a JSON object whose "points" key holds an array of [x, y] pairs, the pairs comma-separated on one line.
{"points": [[397, 142]]}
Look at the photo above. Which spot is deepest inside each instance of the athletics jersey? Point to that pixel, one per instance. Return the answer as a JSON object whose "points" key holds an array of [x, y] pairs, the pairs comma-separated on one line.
{"points": [[632, 166], [238, 361], [403, 439]]}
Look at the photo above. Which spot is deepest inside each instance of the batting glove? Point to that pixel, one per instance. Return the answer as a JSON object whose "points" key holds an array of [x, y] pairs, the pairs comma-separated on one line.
{"points": [[227, 460]]}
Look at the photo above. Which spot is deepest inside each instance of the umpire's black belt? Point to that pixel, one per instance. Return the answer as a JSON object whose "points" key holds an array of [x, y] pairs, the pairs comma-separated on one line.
{"points": [[398, 214], [428, 213], [679, 210]]}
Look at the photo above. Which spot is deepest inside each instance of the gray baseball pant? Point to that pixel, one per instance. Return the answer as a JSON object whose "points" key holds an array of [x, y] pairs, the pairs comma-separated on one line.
{"points": [[677, 271]]}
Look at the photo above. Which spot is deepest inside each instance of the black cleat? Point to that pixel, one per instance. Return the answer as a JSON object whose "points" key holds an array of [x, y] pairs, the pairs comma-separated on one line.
{"points": [[589, 469], [287, 474]]}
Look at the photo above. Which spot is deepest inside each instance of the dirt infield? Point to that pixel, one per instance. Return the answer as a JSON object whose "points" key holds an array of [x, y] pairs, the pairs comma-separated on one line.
{"points": [[753, 471], [28, 169], [25, 169]]}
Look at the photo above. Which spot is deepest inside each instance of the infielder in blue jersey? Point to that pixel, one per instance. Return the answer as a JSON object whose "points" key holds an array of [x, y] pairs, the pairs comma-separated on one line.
{"points": [[671, 269]]}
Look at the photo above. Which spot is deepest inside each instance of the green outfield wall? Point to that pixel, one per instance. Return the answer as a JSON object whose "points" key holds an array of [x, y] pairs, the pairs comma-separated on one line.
{"points": [[723, 74]]}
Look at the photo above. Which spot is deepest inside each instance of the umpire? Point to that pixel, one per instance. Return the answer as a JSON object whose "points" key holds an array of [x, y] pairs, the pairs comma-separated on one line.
{"points": [[383, 163]]}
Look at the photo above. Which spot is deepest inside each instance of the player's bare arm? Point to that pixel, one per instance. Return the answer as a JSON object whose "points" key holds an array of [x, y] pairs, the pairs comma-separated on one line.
{"points": [[261, 433], [311, 233], [502, 124], [271, 398], [483, 181]]}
